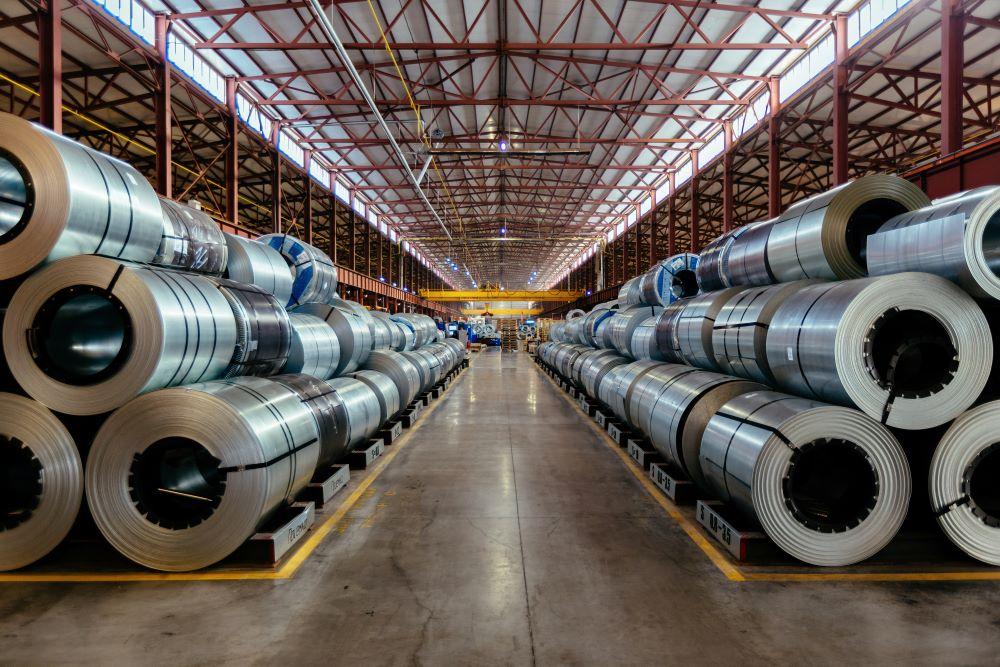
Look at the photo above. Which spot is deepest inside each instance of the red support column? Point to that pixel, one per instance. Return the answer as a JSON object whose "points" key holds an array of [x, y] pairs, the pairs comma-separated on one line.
{"points": [[276, 194], [840, 98], [232, 155], [333, 228], [695, 218], [773, 158], [727, 180], [50, 65], [952, 64], [654, 219], [164, 116], [308, 208], [672, 224]]}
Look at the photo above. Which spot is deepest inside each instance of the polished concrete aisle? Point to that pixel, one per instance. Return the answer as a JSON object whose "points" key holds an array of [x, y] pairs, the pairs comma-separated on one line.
{"points": [[505, 532]]}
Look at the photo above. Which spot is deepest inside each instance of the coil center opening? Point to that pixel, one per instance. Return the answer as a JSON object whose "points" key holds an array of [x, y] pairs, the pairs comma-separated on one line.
{"points": [[865, 220], [982, 485], [20, 483], [83, 335], [684, 284], [831, 485], [176, 483], [17, 197], [911, 353], [990, 243]]}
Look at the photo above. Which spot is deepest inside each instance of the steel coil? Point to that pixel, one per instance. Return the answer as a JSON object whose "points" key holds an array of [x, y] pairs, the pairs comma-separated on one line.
{"points": [[457, 346], [747, 260], [623, 324], [263, 330], [332, 414], [739, 333], [824, 236], [911, 350], [586, 328], [665, 330], [315, 348], [575, 313], [351, 329], [957, 238], [828, 484], [963, 478], [190, 240], [670, 279], [428, 365], [400, 370], [86, 334], [255, 263], [423, 327], [391, 335], [643, 344], [693, 328], [42, 481], [594, 365], [362, 409], [389, 400], [616, 388], [59, 198], [557, 332], [178, 479], [710, 271], [314, 275], [630, 293], [672, 405], [446, 354]]}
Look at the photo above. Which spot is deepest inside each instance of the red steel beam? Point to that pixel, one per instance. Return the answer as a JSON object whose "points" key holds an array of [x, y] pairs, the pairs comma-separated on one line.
{"points": [[773, 152], [50, 65], [164, 115], [232, 154], [510, 46], [840, 101], [276, 194], [727, 181], [952, 63]]}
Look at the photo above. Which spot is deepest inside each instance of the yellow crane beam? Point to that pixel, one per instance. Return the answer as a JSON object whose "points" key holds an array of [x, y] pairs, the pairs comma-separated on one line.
{"points": [[502, 311], [501, 295]]}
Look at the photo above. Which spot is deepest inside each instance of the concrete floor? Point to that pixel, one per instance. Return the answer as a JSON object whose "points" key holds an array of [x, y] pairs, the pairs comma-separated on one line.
{"points": [[505, 532]]}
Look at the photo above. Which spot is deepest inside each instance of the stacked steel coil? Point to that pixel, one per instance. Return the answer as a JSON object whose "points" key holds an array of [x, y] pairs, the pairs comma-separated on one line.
{"points": [[363, 409], [643, 344], [62, 199], [314, 275], [423, 328], [401, 370], [255, 263], [713, 258], [829, 485], [315, 348], [387, 334], [384, 388], [178, 479], [622, 325], [693, 328], [86, 334], [351, 329], [190, 240], [263, 330]]}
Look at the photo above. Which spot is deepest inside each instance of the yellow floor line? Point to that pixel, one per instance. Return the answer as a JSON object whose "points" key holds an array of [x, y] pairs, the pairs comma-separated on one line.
{"points": [[285, 571], [725, 564]]}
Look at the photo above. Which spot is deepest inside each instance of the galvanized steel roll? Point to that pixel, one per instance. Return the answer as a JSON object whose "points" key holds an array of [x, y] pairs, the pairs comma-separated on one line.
{"points": [[824, 236], [263, 330], [828, 484], [693, 328], [42, 481], [587, 331], [61, 198], [315, 348], [957, 238], [362, 409], [424, 329], [256, 263], [314, 275], [457, 347], [712, 259], [672, 405], [178, 479], [670, 279], [389, 400], [911, 350], [87, 334], [623, 324], [665, 330], [190, 240], [391, 335], [643, 344], [739, 333], [447, 354], [556, 331], [630, 293], [594, 365], [616, 388], [963, 482], [400, 370], [332, 414], [747, 260], [351, 329], [423, 365]]}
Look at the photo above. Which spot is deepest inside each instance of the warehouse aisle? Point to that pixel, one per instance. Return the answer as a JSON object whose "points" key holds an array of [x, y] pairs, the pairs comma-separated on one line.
{"points": [[505, 532]]}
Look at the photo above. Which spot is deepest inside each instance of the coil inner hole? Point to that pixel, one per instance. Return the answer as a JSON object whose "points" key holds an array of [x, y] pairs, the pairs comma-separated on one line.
{"points": [[982, 485], [830, 485], [910, 352], [991, 243], [684, 284], [83, 335], [865, 220], [20, 483], [176, 483], [17, 198]]}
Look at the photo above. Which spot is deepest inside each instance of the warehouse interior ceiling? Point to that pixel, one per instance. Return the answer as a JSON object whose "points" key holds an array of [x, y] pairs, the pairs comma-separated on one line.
{"points": [[554, 125]]}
